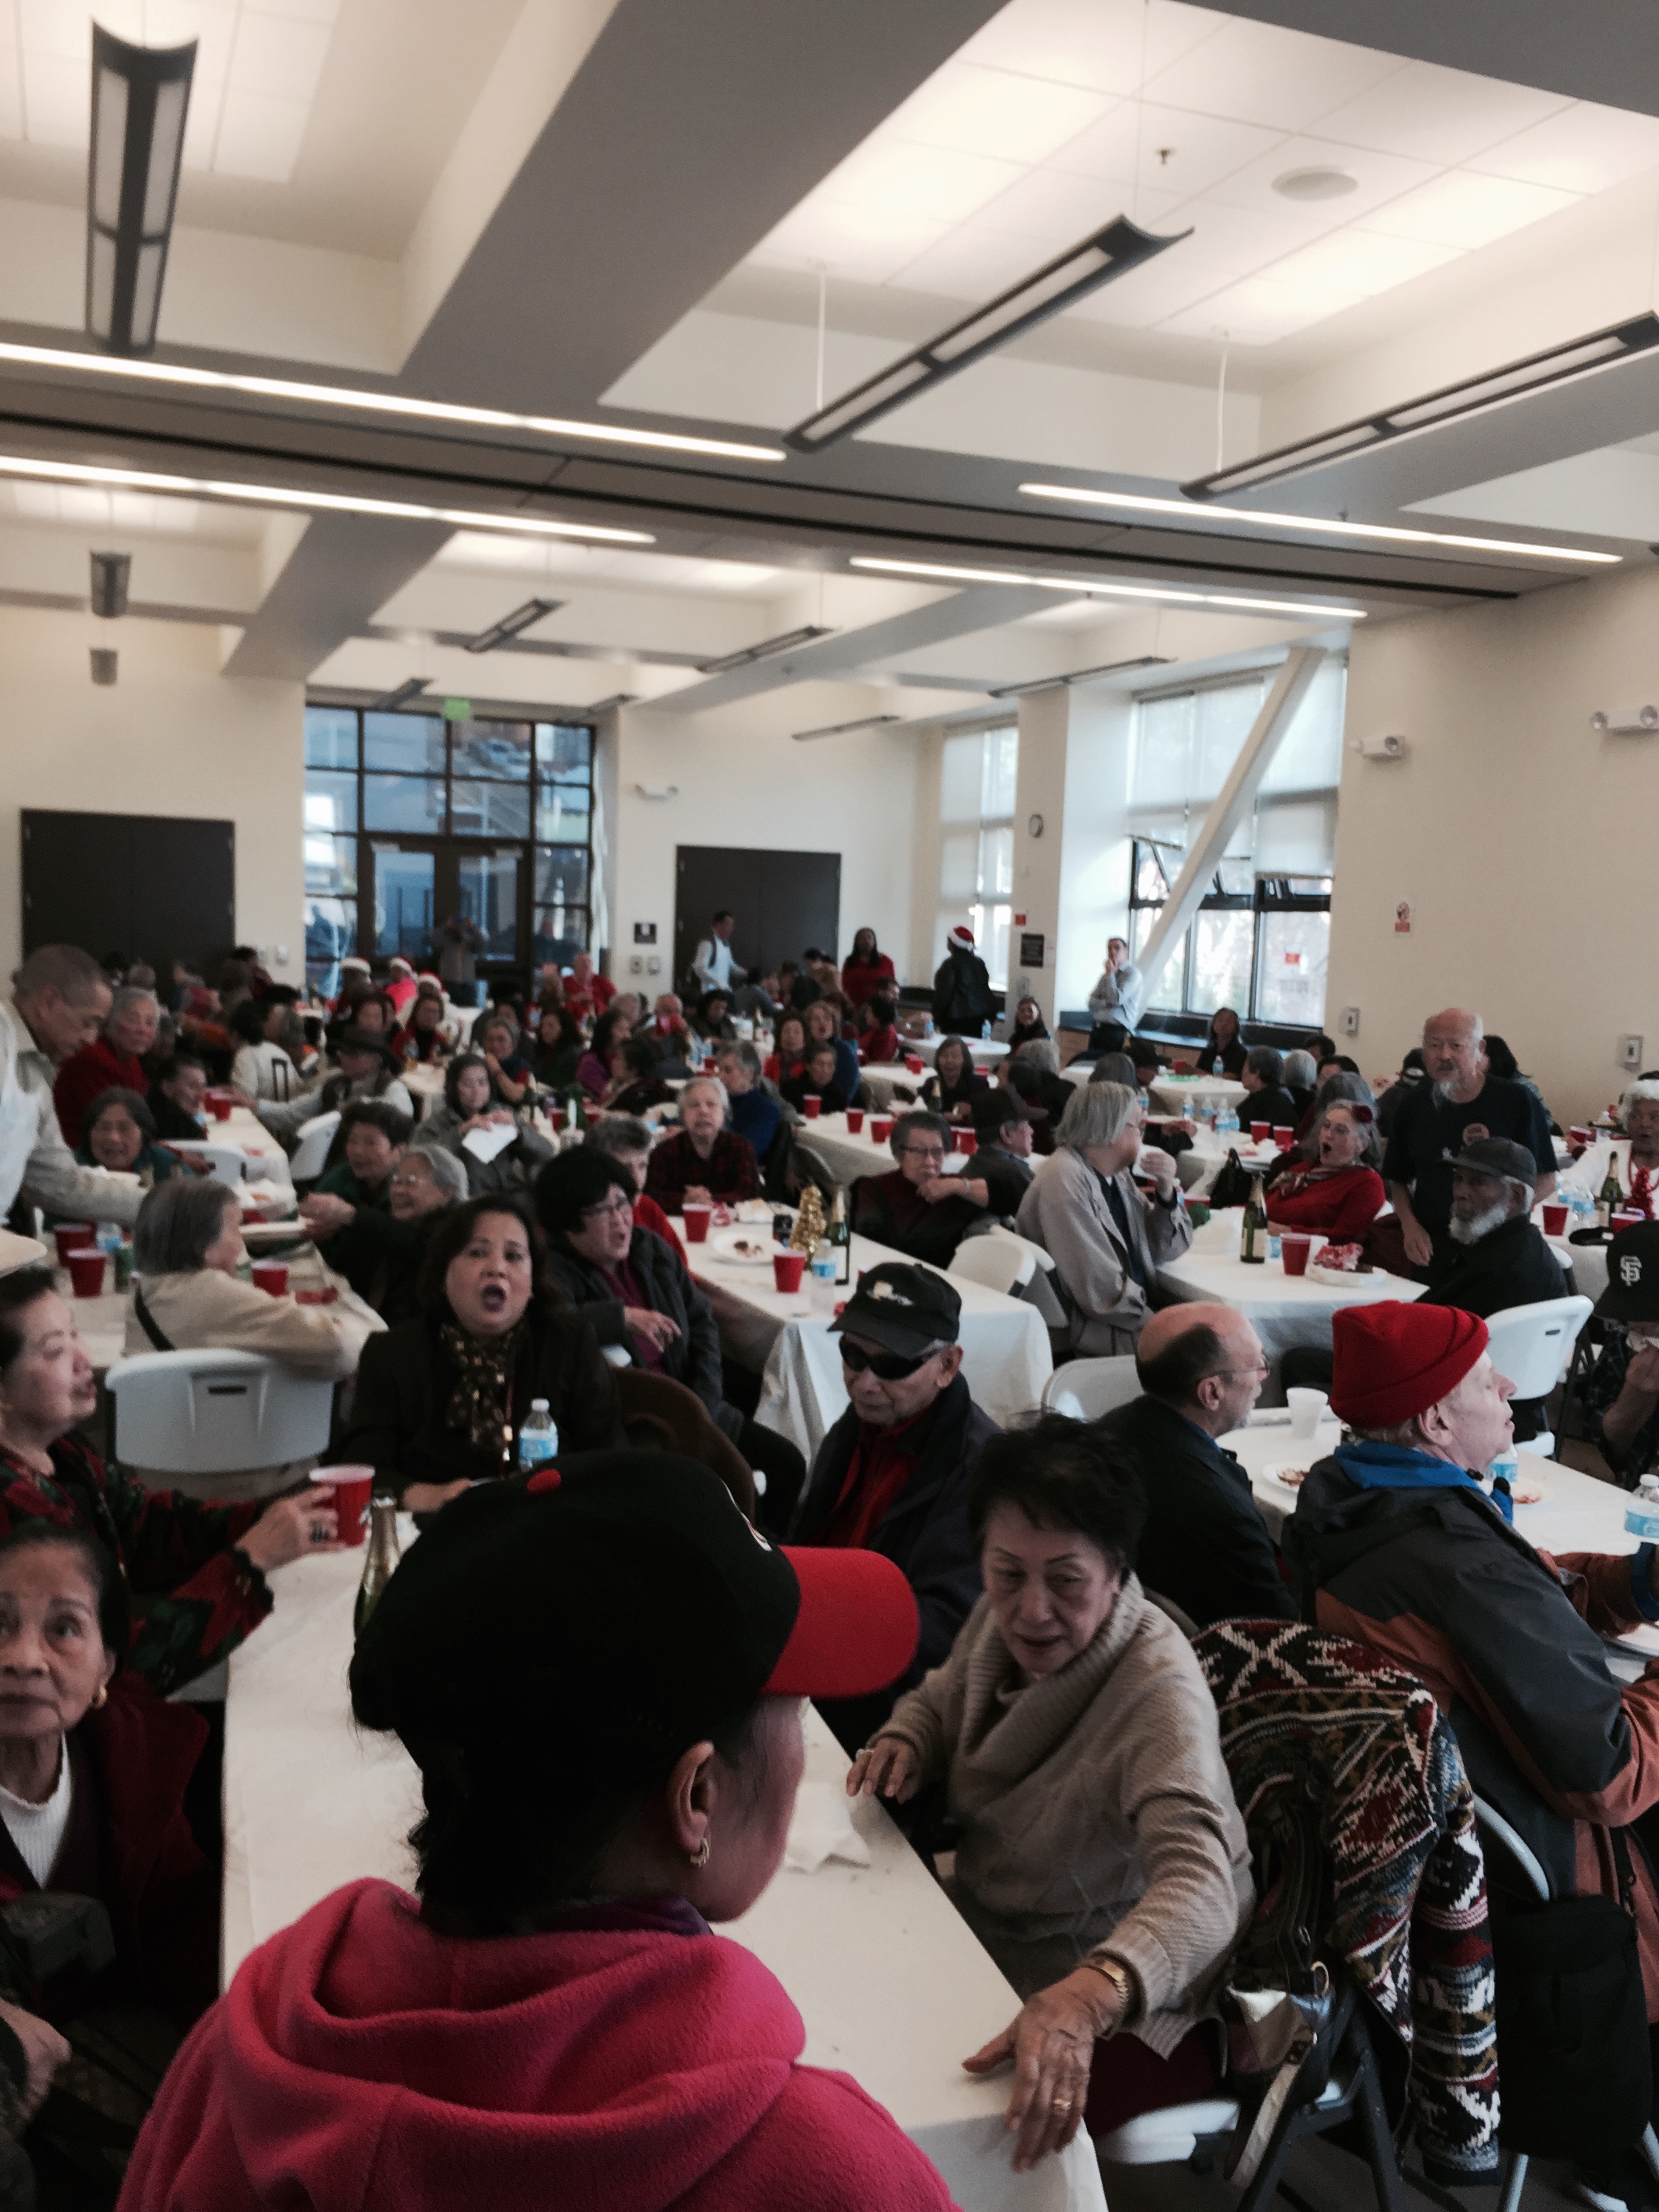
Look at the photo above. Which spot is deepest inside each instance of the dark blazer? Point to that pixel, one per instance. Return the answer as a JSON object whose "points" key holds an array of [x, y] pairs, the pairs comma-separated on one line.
{"points": [[1274, 1105], [398, 1418], [925, 1534], [694, 1357], [380, 1257], [1204, 1544]]}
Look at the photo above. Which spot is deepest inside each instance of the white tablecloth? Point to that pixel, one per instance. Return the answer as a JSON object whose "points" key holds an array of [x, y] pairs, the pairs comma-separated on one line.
{"points": [[885, 1078], [786, 1340], [984, 1052], [892, 1987], [1184, 1094], [849, 1156]]}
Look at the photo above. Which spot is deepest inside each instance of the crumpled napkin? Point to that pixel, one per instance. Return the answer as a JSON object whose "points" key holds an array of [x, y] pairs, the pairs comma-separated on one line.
{"points": [[822, 1829]]}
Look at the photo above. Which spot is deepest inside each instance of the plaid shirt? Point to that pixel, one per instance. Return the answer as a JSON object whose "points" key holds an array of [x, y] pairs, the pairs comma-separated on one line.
{"points": [[729, 1172]]}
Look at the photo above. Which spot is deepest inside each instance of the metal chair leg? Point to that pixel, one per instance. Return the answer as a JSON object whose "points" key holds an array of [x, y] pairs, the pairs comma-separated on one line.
{"points": [[1650, 2150], [1514, 2182]]}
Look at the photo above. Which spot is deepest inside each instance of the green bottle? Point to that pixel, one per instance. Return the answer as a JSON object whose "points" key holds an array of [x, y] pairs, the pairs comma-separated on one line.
{"points": [[1254, 1252]]}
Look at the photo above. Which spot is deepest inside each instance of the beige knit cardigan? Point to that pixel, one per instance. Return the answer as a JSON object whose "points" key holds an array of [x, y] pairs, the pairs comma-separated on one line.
{"points": [[1097, 1813]]}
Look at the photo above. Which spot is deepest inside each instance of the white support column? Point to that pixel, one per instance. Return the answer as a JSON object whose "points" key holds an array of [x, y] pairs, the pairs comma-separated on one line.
{"points": [[1237, 794]]}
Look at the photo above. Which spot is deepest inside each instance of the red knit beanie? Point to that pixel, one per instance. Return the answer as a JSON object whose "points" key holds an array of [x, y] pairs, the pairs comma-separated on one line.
{"points": [[1393, 1360]]}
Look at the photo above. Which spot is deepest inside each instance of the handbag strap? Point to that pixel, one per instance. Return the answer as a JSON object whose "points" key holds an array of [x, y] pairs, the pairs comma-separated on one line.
{"points": [[147, 1320]]}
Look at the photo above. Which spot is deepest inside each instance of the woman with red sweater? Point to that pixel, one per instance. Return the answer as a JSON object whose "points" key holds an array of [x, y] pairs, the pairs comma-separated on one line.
{"points": [[1341, 1197], [866, 971], [113, 1062]]}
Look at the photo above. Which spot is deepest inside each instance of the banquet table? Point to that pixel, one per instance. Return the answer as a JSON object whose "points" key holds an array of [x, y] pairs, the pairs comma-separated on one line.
{"points": [[984, 1052], [423, 1082], [885, 1079], [786, 1340], [1185, 1094], [849, 1156], [892, 1987]]}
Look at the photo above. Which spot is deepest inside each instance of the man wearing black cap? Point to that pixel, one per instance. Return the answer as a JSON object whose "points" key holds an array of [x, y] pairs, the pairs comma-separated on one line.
{"points": [[1621, 1396], [916, 1208], [891, 1476], [1001, 1167]]}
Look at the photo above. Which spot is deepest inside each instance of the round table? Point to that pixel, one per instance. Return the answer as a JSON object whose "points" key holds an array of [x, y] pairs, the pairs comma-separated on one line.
{"points": [[1186, 1094]]}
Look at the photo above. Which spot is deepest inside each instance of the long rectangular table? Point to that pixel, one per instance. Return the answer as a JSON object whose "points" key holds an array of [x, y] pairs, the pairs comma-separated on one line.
{"points": [[892, 1987]]}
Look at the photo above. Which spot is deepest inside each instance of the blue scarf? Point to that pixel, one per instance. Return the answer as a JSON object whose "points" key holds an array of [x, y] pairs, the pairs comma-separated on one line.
{"points": [[1399, 1467]]}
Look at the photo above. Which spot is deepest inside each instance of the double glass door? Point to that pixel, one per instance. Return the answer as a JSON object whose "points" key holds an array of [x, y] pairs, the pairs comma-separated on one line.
{"points": [[420, 884]]}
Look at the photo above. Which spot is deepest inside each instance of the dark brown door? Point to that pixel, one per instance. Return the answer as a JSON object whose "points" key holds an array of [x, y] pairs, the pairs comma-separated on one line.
{"points": [[157, 887], [783, 902]]}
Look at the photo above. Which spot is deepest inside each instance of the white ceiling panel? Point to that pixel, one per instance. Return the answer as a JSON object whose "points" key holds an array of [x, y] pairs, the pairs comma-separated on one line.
{"points": [[260, 137], [1165, 149], [870, 244], [1284, 78], [931, 184], [969, 266], [1057, 207], [1465, 210], [987, 110], [1112, 45], [1583, 148], [277, 57], [1377, 178], [1439, 115]]}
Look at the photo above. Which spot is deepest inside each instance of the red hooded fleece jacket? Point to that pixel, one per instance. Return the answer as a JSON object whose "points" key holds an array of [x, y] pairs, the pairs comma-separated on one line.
{"points": [[362, 2062]]}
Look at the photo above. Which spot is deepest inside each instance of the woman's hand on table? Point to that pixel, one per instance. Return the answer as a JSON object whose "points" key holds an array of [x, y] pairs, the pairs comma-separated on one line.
{"points": [[1051, 2040], [323, 1213], [291, 1527], [430, 1497], [887, 1768], [44, 2051], [658, 1330]]}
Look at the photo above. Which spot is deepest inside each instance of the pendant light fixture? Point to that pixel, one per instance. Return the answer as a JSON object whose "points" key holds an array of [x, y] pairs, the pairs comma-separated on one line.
{"points": [[140, 97]]}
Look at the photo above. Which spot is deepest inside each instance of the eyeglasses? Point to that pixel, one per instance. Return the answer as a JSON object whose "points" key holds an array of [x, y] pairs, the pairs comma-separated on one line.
{"points": [[1219, 1374], [885, 1366], [933, 1154], [618, 1205]]}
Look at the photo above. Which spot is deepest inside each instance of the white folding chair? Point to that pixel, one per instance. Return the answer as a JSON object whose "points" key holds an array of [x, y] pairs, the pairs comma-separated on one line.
{"points": [[999, 1262], [311, 1153], [216, 1412], [1533, 1345], [1086, 1388], [226, 1162]]}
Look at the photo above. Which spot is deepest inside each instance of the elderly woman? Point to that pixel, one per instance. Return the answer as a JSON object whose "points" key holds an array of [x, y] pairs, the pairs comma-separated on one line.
{"points": [[824, 1027], [363, 1068], [469, 1104], [186, 1248], [117, 1132], [620, 1137], [754, 1114], [1106, 1237], [1299, 1074], [509, 1071], [1638, 1117], [955, 1083], [593, 1803], [1342, 1192], [703, 1160], [1102, 1860], [440, 1401], [114, 1060], [915, 1207], [196, 1573], [175, 1099], [380, 1254]]}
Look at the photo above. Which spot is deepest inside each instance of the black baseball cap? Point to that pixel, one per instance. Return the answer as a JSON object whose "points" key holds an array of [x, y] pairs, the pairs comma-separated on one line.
{"points": [[1499, 1156], [1632, 1292], [993, 1107], [615, 1591], [902, 1308]]}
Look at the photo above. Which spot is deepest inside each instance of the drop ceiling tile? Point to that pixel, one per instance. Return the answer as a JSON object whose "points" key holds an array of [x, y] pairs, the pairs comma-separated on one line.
{"points": [[870, 244], [1462, 209], [276, 58], [55, 28], [57, 100], [11, 95], [1057, 207], [1256, 313], [1167, 149], [972, 263], [1438, 115], [1361, 263], [260, 137], [1111, 46], [1377, 178], [923, 183], [1262, 74], [1145, 296], [988, 111], [1234, 240], [1584, 149]]}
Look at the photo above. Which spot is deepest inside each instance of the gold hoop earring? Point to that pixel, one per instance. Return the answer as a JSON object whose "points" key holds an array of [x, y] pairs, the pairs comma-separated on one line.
{"points": [[102, 1697], [700, 1856]]}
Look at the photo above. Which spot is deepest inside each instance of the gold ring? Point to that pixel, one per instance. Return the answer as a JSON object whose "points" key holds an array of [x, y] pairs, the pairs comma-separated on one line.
{"points": [[1060, 2104]]}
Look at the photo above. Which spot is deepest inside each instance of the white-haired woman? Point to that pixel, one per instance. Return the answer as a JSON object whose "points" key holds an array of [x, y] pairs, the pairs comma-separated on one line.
{"points": [[113, 1062], [1106, 1239], [1340, 1193], [1638, 1117]]}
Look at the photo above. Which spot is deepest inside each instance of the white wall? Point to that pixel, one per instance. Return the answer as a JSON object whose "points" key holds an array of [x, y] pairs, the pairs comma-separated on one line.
{"points": [[173, 738], [1522, 840]]}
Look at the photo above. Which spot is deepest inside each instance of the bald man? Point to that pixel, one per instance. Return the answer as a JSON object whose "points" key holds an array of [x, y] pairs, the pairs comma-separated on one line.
{"points": [[1205, 1546], [1460, 1105]]}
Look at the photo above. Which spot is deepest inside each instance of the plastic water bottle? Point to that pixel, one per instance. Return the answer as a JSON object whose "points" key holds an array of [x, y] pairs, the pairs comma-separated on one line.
{"points": [[539, 1438], [1217, 1066], [1642, 1514]]}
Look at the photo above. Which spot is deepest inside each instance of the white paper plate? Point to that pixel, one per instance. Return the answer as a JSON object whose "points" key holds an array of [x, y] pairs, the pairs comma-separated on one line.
{"points": [[1290, 1473], [727, 1251], [1344, 1277]]}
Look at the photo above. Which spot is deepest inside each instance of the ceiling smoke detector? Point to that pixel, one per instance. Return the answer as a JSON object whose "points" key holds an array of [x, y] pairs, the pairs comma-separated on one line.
{"points": [[1317, 184]]}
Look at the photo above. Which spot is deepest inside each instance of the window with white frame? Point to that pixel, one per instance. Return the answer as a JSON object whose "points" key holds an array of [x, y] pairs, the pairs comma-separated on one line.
{"points": [[979, 772]]}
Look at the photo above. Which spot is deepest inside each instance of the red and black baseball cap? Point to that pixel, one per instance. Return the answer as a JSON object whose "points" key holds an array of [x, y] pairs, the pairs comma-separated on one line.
{"points": [[623, 1590]]}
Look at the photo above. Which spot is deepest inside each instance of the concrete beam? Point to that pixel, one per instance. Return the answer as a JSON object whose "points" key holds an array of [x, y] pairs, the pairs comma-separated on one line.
{"points": [[340, 573]]}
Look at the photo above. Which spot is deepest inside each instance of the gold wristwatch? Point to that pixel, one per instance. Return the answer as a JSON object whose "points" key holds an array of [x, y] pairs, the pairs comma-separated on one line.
{"points": [[1115, 1971]]}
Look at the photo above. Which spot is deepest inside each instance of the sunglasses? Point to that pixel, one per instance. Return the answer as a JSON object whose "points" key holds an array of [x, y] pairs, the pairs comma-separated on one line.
{"points": [[885, 1366]]}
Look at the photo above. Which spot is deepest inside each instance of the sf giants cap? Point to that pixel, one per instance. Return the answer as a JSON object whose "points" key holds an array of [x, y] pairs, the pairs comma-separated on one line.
{"points": [[1632, 1292], [902, 1308], [622, 1590]]}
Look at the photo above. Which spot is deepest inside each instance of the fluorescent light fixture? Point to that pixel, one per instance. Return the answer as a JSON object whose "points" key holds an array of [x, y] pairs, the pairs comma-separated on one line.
{"points": [[331, 502], [65, 361], [1113, 252], [411, 688], [785, 643], [1077, 675], [1088, 587], [1585, 356], [1188, 510], [840, 729], [510, 625], [110, 572], [139, 97]]}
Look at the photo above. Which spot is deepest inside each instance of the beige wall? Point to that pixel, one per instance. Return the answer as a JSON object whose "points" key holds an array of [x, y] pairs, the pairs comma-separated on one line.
{"points": [[1522, 840], [172, 737]]}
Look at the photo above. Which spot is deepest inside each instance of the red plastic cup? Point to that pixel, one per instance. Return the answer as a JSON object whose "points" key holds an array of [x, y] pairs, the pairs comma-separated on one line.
{"points": [[1294, 1250], [1623, 1219], [812, 1107], [85, 1269], [915, 1062], [325, 1297], [73, 1237], [881, 1128], [697, 1220], [352, 1486], [1259, 1132], [966, 1141], [1284, 1139], [1580, 1134], [219, 1105], [854, 1120], [1555, 1220], [270, 1276], [787, 1268]]}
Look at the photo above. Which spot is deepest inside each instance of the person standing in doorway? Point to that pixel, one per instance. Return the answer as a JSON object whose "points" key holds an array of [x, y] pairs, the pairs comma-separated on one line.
{"points": [[711, 964], [459, 940]]}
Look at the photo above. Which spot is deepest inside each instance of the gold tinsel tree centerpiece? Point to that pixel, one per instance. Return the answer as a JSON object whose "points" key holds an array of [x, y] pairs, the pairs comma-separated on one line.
{"points": [[808, 1232]]}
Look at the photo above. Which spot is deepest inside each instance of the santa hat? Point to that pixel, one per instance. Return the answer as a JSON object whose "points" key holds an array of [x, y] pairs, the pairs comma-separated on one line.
{"points": [[1393, 1360], [960, 939]]}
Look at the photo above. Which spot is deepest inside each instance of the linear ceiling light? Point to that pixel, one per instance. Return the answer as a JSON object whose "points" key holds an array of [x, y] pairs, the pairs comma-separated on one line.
{"points": [[510, 625], [1086, 586], [1113, 252], [840, 729], [1560, 364], [381, 403], [411, 689], [1077, 675], [333, 502], [139, 96], [767, 645], [1187, 510]]}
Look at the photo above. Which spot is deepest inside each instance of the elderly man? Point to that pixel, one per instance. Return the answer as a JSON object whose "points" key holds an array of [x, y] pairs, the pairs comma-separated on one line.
{"points": [[1115, 1002], [1263, 1078], [711, 964], [893, 1474], [668, 1023], [1204, 1544], [1003, 1134], [1435, 1122], [915, 1207], [59, 1002], [703, 1160], [754, 1116], [113, 1062]]}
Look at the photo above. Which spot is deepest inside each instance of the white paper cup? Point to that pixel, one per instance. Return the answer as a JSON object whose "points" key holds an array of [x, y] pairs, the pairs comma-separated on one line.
{"points": [[1307, 1407]]}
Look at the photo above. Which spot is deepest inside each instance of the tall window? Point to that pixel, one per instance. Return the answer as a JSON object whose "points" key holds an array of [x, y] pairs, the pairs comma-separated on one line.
{"points": [[1259, 942], [979, 773], [410, 819]]}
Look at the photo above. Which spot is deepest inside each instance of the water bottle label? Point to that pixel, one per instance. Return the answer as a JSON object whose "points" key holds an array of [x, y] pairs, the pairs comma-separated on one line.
{"points": [[1642, 1521], [538, 1449]]}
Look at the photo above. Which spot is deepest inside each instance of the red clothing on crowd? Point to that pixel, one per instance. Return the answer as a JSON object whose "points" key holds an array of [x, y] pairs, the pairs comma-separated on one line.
{"points": [[730, 1173], [773, 1070], [882, 1462], [96, 1067], [631, 2059], [861, 979], [592, 998], [880, 1047], [1341, 1206], [647, 1214], [401, 990]]}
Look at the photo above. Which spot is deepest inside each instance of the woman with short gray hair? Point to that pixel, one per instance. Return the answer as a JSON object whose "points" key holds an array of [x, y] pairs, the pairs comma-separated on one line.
{"points": [[187, 1297], [1106, 1238], [114, 1060]]}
